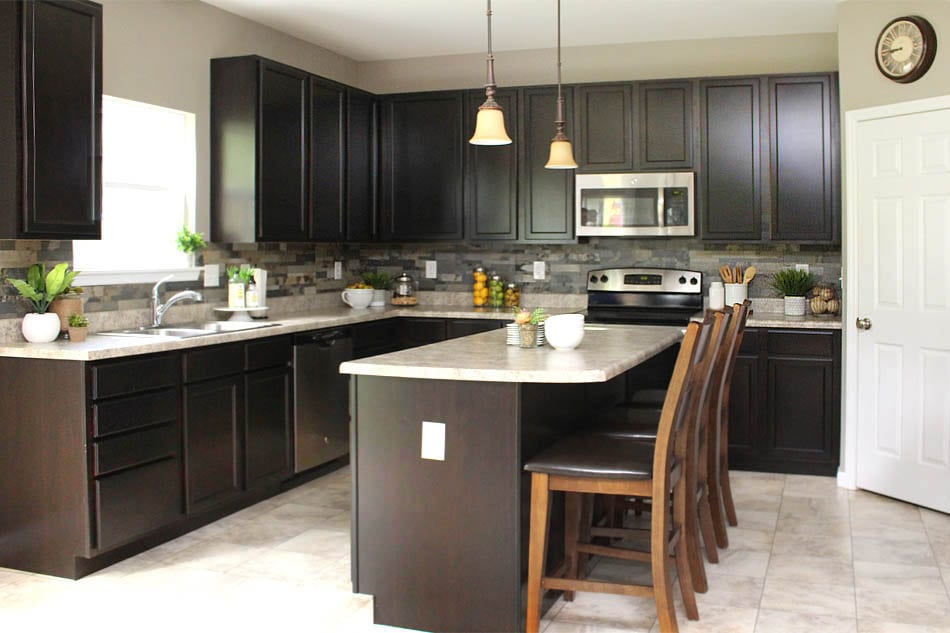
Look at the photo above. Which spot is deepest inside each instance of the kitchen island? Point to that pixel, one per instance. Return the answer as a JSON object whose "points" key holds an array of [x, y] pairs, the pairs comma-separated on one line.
{"points": [[439, 435]]}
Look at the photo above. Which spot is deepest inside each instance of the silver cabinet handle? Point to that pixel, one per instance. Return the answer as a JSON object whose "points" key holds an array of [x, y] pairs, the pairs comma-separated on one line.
{"points": [[863, 324]]}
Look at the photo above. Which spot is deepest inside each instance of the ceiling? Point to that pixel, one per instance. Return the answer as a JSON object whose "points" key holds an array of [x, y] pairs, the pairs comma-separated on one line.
{"points": [[376, 30]]}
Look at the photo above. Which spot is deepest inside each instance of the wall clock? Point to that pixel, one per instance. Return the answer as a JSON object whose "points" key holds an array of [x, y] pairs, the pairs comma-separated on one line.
{"points": [[905, 48]]}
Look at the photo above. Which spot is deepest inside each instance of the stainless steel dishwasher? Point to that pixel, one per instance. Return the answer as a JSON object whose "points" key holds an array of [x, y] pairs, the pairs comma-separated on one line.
{"points": [[321, 397]]}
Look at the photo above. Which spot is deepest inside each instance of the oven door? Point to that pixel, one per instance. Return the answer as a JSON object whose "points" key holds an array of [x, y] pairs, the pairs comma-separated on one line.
{"points": [[634, 204]]}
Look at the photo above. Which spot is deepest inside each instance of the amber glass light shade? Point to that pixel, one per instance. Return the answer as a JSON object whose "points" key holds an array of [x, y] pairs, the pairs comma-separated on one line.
{"points": [[490, 127], [562, 155]]}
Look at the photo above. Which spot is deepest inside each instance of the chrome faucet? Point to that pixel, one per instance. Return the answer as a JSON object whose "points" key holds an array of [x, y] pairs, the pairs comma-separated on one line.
{"points": [[159, 309]]}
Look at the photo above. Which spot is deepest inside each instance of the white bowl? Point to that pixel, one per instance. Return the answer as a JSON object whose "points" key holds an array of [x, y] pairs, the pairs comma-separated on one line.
{"points": [[564, 331], [357, 297]]}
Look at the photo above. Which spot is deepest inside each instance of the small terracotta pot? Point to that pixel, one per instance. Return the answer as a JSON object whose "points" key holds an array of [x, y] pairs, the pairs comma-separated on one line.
{"points": [[65, 306], [77, 334]]}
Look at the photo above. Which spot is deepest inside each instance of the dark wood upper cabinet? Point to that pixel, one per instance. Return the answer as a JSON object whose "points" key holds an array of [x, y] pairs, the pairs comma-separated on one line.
{"points": [[421, 166], [50, 119], [730, 187], [603, 122], [546, 196], [327, 160], [665, 124], [361, 165], [804, 172], [259, 179], [491, 185]]}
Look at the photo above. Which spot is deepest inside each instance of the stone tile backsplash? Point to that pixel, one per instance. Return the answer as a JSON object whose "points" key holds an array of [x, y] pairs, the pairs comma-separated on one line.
{"points": [[301, 271]]}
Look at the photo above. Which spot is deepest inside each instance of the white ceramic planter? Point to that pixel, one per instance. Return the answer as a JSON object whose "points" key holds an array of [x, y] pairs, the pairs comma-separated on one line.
{"points": [[379, 298], [40, 328], [794, 306]]}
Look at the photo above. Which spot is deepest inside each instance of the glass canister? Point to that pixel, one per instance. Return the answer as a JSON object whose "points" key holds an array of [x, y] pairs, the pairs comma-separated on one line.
{"points": [[496, 290], [479, 287], [512, 296], [404, 290]]}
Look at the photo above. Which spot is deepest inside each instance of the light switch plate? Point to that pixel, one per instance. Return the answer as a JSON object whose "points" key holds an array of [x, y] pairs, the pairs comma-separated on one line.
{"points": [[431, 269], [212, 273], [802, 267], [338, 270], [433, 441], [539, 270]]}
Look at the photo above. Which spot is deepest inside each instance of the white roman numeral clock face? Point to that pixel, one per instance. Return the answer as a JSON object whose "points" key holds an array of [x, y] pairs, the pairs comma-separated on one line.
{"points": [[906, 48]]}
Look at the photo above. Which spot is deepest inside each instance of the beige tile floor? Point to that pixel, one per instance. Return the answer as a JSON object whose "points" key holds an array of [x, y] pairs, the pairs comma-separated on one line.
{"points": [[807, 557]]}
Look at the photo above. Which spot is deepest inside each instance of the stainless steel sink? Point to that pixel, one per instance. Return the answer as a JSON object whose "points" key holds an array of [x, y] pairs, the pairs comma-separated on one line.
{"points": [[189, 330]]}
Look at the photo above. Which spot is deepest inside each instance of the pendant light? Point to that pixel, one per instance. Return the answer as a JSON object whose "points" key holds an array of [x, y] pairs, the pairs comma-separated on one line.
{"points": [[490, 122], [562, 154]]}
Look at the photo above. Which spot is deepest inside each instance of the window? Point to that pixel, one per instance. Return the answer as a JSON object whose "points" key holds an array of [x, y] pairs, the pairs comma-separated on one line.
{"points": [[148, 193]]}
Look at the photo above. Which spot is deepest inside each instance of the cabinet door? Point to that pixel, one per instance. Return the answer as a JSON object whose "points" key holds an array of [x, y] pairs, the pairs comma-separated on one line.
{"points": [[546, 196], [745, 403], [454, 328], [282, 211], [361, 166], [804, 158], [416, 332], [730, 169], [422, 166], [267, 425], [665, 125], [491, 192], [135, 501], [212, 420], [327, 160], [604, 127], [62, 104]]}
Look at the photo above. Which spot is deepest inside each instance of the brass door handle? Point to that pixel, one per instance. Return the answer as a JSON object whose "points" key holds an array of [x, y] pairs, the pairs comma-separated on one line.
{"points": [[863, 324]]}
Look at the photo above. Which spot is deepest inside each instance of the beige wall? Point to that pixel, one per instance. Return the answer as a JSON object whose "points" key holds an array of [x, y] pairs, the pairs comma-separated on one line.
{"points": [[650, 60], [159, 51], [859, 23]]}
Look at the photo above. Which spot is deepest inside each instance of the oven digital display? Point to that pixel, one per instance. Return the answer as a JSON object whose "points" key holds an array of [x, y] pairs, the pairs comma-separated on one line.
{"points": [[643, 280]]}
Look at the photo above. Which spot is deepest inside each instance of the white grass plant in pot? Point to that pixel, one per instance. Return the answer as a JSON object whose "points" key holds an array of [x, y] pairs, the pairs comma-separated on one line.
{"points": [[40, 289], [794, 285]]}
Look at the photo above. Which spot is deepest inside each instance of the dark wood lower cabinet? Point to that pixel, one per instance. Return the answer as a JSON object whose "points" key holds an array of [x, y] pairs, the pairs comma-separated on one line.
{"points": [[785, 402], [136, 501], [213, 414], [267, 425]]}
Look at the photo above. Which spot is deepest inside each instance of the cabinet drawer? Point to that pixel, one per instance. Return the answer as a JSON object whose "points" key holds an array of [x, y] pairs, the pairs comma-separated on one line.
{"points": [[798, 343], [374, 336], [417, 332], [212, 362], [115, 378], [136, 448], [269, 352], [137, 501], [126, 414], [750, 341]]}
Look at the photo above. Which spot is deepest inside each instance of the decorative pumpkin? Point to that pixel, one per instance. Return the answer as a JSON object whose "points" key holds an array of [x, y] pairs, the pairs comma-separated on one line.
{"points": [[818, 305], [833, 306]]}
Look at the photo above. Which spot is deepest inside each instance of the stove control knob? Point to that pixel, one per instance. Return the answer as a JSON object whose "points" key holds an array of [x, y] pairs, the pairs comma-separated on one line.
{"points": [[693, 281], [682, 280], [593, 279], [603, 279]]}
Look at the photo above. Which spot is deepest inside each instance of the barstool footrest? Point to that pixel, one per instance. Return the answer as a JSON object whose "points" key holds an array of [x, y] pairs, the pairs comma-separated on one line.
{"points": [[596, 586]]}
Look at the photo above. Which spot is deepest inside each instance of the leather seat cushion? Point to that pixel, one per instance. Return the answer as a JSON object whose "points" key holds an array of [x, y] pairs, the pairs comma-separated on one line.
{"points": [[595, 455]]}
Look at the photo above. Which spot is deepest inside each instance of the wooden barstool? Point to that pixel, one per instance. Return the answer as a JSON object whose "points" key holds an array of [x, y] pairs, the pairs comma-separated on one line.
{"points": [[585, 464]]}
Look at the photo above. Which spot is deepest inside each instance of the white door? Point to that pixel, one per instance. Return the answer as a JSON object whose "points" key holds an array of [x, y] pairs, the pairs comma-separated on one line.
{"points": [[902, 280]]}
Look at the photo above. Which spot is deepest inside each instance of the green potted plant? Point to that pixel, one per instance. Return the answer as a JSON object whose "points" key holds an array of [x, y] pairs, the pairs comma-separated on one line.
{"points": [[190, 241], [41, 289], [528, 322], [78, 327], [794, 285], [380, 283]]}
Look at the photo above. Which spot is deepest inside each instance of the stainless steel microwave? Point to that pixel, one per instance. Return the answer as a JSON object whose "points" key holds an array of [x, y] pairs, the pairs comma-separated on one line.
{"points": [[635, 205]]}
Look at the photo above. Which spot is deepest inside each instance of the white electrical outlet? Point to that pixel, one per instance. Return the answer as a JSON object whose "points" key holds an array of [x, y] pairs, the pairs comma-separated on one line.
{"points": [[539, 270], [338, 270], [802, 267], [212, 272], [431, 269], [433, 441]]}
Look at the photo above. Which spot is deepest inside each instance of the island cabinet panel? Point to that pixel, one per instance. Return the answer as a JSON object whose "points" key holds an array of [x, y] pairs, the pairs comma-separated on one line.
{"points": [[491, 172], [421, 166], [730, 188], [604, 124], [50, 119], [546, 196], [804, 170], [664, 135], [785, 412]]}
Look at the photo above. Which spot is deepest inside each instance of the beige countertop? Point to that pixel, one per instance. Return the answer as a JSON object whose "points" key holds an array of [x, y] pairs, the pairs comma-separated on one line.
{"points": [[606, 351], [98, 347], [760, 318]]}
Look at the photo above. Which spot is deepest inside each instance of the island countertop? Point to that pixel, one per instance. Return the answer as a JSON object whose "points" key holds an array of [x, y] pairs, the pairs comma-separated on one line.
{"points": [[606, 351]]}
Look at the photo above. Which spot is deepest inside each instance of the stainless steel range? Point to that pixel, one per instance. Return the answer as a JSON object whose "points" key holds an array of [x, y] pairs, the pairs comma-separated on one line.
{"points": [[646, 296]]}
